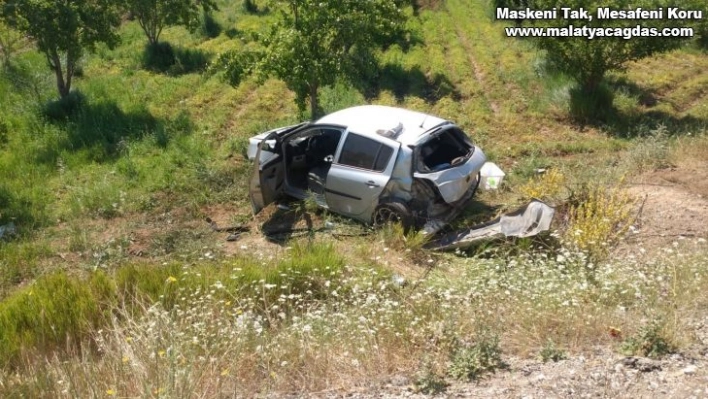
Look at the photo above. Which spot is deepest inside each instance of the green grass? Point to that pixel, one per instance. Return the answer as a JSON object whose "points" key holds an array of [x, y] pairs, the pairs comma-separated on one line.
{"points": [[59, 308], [56, 311]]}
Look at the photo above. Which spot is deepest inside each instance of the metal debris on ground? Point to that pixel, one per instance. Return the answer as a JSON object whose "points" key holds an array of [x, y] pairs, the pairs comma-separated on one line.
{"points": [[7, 230], [529, 220]]}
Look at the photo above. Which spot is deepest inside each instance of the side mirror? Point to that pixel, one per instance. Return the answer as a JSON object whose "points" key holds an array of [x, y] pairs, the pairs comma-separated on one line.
{"points": [[329, 158]]}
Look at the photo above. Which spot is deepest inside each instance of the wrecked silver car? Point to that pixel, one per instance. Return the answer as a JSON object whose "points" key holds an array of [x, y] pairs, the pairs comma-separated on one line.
{"points": [[373, 163]]}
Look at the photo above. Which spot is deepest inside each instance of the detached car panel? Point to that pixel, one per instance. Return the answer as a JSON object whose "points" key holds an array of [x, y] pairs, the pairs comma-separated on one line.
{"points": [[372, 163]]}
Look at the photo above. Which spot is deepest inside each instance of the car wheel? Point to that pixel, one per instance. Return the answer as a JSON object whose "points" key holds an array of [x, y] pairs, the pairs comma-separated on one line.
{"points": [[393, 212]]}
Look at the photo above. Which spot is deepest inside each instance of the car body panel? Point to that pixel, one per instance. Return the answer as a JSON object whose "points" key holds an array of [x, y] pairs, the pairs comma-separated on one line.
{"points": [[370, 119], [454, 182], [268, 177], [255, 141], [354, 191], [268, 180]]}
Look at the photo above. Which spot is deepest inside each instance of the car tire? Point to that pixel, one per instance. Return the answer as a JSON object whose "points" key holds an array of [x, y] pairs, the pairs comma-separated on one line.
{"points": [[393, 211]]}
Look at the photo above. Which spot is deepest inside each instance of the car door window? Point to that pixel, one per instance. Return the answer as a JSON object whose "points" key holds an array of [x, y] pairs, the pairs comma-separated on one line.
{"points": [[365, 153], [382, 158]]}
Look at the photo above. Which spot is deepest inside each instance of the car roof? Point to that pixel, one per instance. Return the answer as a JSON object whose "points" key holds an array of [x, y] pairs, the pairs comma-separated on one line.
{"points": [[368, 119]]}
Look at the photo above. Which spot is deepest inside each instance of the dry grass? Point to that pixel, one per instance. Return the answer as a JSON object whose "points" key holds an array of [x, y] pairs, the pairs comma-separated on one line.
{"points": [[366, 328]]}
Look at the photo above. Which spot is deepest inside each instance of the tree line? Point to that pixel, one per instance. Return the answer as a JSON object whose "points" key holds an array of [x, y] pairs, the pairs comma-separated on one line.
{"points": [[313, 43]]}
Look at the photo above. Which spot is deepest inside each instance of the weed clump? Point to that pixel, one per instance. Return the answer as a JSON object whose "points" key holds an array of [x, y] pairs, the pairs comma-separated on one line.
{"points": [[429, 381], [652, 151], [549, 186], [469, 363], [54, 311], [598, 217], [159, 57], [649, 341], [551, 352]]}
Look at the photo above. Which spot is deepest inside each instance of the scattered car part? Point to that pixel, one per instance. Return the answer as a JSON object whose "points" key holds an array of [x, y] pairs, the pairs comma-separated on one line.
{"points": [[492, 176], [7, 230], [529, 220]]}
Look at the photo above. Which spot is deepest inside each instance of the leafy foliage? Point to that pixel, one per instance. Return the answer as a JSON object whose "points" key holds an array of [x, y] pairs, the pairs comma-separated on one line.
{"points": [[9, 40], [429, 381], [56, 310], [154, 15], [550, 186], [62, 30], [315, 43], [598, 217], [471, 363], [649, 341], [587, 61], [701, 27], [551, 352]]}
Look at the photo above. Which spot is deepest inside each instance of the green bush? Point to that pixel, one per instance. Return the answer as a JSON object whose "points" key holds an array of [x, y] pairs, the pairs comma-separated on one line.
{"points": [[650, 341], [429, 381], [469, 363], [4, 132], [551, 353], [592, 106], [163, 58], [56, 310], [208, 26]]}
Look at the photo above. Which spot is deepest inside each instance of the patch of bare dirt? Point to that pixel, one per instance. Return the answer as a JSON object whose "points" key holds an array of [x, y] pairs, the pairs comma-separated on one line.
{"points": [[674, 205], [599, 375]]}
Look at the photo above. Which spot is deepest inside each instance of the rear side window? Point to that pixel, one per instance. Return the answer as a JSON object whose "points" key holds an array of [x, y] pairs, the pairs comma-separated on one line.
{"points": [[362, 152], [383, 157]]}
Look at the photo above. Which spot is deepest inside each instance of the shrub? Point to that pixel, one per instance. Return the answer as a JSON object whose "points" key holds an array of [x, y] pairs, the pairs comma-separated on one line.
{"points": [[236, 65], [159, 57], [208, 26], [250, 6], [471, 363], [549, 186], [598, 217], [55, 310], [651, 151], [429, 381], [4, 133], [649, 341], [551, 353], [588, 106]]}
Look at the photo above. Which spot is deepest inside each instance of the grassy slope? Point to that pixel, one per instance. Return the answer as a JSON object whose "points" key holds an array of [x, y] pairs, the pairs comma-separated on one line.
{"points": [[155, 153]]}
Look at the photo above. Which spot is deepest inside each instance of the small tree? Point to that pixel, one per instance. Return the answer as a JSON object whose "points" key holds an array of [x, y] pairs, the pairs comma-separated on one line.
{"points": [[588, 61], [63, 29], [316, 42], [701, 28], [154, 15]]}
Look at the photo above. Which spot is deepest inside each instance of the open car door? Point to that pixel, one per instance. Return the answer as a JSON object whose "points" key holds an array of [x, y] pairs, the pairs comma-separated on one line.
{"points": [[268, 176]]}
